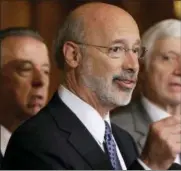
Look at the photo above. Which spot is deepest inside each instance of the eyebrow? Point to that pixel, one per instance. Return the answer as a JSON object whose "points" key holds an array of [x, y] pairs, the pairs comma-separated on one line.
{"points": [[169, 52], [22, 61], [46, 65], [124, 41], [138, 42], [173, 52]]}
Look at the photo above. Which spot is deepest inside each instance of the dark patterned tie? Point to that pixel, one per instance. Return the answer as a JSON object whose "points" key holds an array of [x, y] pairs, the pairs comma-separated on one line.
{"points": [[111, 148]]}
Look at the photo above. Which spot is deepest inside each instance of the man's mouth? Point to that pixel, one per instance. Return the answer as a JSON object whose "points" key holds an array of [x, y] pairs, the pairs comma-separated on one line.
{"points": [[35, 105], [125, 83], [175, 87], [36, 102]]}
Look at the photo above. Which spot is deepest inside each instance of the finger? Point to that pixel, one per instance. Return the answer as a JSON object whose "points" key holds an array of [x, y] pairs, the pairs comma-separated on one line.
{"points": [[171, 120], [170, 134], [174, 144], [174, 129], [176, 148], [175, 138], [177, 116]]}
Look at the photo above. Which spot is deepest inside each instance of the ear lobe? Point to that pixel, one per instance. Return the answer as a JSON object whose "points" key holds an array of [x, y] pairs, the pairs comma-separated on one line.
{"points": [[70, 51]]}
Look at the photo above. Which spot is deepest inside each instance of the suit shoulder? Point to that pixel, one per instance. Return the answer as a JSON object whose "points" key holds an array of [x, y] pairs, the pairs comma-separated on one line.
{"points": [[125, 116], [34, 130], [37, 122], [124, 110]]}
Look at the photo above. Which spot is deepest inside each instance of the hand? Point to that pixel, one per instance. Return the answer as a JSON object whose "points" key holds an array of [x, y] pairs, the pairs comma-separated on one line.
{"points": [[163, 143]]}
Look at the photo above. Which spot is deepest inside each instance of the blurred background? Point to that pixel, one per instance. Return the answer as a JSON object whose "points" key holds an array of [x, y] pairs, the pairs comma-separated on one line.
{"points": [[47, 15]]}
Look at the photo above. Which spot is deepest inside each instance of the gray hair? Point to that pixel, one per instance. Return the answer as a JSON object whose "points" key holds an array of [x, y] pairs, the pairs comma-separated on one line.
{"points": [[18, 31], [163, 29], [71, 30]]}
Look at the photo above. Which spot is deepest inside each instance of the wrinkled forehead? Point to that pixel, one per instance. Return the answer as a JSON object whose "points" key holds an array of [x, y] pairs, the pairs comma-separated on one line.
{"points": [[168, 44], [24, 48]]}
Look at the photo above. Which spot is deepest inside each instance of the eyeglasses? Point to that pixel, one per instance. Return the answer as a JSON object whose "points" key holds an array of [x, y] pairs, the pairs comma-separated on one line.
{"points": [[117, 51]]}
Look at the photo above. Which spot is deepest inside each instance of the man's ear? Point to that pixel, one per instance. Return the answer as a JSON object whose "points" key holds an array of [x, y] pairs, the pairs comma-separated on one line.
{"points": [[71, 54]]}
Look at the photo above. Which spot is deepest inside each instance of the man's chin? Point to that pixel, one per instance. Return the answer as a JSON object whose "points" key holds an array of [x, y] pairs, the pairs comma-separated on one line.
{"points": [[124, 98], [32, 111], [175, 102]]}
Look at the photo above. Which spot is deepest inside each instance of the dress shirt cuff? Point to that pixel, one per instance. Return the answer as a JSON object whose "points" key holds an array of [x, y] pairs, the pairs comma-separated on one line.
{"points": [[143, 164]]}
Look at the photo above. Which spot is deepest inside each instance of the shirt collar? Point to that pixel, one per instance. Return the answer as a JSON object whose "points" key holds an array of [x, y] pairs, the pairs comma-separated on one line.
{"points": [[85, 113], [155, 113], [5, 136]]}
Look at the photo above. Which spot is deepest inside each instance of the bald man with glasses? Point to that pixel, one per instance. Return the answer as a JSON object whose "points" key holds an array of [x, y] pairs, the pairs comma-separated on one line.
{"points": [[74, 130]]}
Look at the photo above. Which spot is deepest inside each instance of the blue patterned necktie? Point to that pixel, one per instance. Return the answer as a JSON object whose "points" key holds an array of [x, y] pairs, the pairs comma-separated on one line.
{"points": [[111, 148]]}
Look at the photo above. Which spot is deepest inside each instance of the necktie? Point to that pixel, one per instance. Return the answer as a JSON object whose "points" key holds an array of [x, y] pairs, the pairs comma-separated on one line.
{"points": [[111, 148]]}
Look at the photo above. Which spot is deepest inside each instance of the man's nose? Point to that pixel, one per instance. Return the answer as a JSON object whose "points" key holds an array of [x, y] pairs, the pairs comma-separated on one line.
{"points": [[38, 79], [177, 70], [131, 63]]}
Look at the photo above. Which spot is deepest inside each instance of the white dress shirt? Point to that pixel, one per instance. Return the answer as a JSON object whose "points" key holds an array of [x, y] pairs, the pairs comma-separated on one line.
{"points": [[91, 119], [5, 136], [156, 114]]}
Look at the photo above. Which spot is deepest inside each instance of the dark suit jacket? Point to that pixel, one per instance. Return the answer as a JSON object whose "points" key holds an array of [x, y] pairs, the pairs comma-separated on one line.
{"points": [[56, 139]]}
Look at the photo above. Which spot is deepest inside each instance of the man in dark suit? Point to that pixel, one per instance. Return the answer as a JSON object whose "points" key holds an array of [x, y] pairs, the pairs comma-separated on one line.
{"points": [[98, 48]]}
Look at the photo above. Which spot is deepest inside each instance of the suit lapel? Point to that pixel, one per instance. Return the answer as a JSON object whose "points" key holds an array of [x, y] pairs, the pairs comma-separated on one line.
{"points": [[121, 146], [141, 122], [89, 149], [80, 138], [125, 145]]}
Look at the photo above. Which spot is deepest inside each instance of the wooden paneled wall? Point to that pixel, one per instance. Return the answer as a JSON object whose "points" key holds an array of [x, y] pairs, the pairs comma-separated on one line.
{"points": [[47, 15]]}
